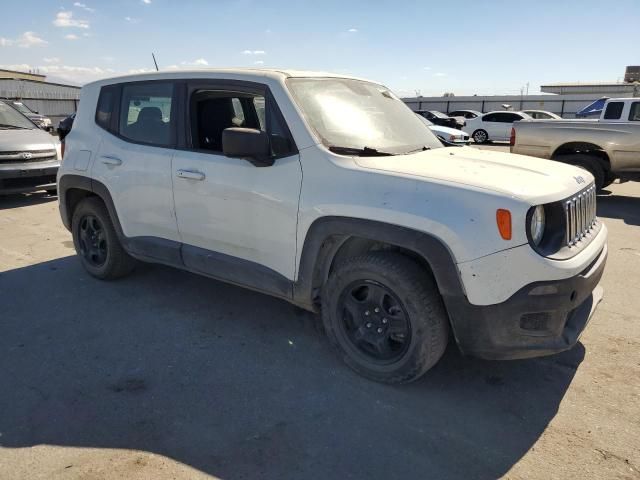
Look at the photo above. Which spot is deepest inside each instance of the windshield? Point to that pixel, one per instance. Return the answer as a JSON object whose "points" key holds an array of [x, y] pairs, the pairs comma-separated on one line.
{"points": [[10, 118], [438, 114], [357, 115], [22, 108]]}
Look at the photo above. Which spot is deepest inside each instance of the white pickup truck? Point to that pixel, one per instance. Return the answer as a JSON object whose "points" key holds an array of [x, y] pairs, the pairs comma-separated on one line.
{"points": [[608, 148]]}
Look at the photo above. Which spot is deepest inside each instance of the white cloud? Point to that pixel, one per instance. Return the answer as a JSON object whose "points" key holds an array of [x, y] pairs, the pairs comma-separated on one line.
{"points": [[146, 2], [26, 40], [440, 74], [132, 20], [69, 73], [51, 59], [259, 62], [426, 68], [200, 62], [84, 7], [71, 36], [254, 52], [353, 30], [65, 19]]}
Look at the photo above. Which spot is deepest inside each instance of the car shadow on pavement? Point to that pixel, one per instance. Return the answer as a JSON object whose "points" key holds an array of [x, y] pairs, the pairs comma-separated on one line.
{"points": [[240, 385], [25, 200], [620, 206]]}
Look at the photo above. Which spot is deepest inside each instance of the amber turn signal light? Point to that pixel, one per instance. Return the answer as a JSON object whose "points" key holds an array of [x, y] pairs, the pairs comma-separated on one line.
{"points": [[503, 219]]}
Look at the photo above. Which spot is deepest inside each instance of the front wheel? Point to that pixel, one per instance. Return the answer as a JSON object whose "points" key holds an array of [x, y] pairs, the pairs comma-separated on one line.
{"points": [[385, 316], [480, 136]]}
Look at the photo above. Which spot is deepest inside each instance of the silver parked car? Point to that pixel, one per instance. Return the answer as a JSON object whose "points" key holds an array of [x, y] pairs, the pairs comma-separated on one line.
{"points": [[29, 156]]}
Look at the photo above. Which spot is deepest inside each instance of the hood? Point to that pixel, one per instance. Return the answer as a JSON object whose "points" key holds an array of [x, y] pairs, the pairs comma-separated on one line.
{"points": [[18, 140], [530, 179]]}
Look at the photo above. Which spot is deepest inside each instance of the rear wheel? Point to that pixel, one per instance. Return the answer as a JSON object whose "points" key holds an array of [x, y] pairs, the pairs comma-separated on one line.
{"points": [[590, 164], [97, 243], [385, 316], [480, 136]]}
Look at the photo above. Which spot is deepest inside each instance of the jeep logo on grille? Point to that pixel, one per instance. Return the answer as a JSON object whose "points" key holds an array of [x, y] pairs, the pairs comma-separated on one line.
{"points": [[579, 179], [27, 155]]}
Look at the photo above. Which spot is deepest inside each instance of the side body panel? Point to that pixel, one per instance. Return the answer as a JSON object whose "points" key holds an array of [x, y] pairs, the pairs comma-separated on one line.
{"points": [[621, 141]]}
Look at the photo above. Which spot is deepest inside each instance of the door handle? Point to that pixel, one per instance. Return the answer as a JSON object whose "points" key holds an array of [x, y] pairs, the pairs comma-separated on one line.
{"points": [[110, 160], [190, 174]]}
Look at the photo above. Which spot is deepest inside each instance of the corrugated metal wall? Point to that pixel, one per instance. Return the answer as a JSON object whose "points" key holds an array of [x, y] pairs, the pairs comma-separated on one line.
{"points": [[50, 99], [563, 105]]}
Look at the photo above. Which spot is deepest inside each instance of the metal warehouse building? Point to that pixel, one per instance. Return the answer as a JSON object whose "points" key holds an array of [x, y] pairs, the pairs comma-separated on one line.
{"points": [[54, 100]]}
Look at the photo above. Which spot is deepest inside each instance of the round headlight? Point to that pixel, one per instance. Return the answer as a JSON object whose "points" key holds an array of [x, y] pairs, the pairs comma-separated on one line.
{"points": [[536, 227]]}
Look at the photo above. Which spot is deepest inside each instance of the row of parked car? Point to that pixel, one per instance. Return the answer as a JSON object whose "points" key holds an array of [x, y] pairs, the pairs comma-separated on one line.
{"points": [[483, 127]]}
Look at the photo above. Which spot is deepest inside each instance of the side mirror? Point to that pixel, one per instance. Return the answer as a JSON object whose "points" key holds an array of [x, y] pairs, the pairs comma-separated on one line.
{"points": [[248, 143]]}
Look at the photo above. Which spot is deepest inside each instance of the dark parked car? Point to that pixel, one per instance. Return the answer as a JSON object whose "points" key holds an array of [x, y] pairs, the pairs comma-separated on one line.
{"points": [[40, 120], [64, 127], [440, 118]]}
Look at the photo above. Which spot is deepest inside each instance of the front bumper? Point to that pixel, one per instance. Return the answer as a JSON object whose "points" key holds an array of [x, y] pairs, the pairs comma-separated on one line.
{"points": [[541, 318], [28, 177]]}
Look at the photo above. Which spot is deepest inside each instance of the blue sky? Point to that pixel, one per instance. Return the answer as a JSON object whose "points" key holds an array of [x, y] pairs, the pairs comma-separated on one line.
{"points": [[466, 47]]}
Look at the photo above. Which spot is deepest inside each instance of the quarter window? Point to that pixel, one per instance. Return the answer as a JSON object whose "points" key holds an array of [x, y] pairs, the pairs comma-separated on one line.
{"points": [[105, 108], [634, 112], [613, 111], [145, 113]]}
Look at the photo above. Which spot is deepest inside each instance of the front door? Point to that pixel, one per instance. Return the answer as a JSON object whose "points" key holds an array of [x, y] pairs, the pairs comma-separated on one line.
{"points": [[237, 221]]}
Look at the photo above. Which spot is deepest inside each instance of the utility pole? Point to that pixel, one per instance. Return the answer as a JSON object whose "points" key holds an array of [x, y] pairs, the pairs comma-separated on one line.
{"points": [[527, 88]]}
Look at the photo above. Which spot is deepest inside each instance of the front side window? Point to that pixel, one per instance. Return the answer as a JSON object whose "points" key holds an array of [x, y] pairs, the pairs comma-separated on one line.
{"points": [[613, 111], [213, 111], [11, 119], [490, 117], [145, 113], [634, 112], [358, 115]]}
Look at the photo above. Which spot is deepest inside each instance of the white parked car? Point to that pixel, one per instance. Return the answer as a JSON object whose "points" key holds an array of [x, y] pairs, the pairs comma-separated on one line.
{"points": [[466, 114], [448, 136], [542, 115], [493, 126], [397, 242]]}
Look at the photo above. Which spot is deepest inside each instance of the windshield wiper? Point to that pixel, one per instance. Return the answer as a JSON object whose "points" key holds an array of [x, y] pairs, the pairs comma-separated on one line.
{"points": [[6, 125], [361, 152], [420, 149]]}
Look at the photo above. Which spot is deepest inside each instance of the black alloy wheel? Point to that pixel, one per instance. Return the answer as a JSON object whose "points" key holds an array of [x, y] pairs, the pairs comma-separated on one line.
{"points": [[375, 321], [93, 241]]}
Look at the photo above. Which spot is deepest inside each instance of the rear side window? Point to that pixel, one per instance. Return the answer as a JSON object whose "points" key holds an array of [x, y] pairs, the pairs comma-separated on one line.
{"points": [[491, 117], [105, 108], [146, 113], [634, 112], [613, 111]]}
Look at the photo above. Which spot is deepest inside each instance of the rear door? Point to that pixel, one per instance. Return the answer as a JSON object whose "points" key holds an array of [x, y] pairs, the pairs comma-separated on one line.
{"points": [[237, 221], [138, 125]]}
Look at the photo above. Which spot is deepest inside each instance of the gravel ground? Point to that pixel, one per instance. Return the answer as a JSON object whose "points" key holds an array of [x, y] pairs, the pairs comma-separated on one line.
{"points": [[168, 375]]}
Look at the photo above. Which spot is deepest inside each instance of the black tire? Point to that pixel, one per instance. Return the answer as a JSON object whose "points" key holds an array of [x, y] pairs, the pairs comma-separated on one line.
{"points": [[52, 192], [105, 258], [480, 136], [590, 164], [416, 300]]}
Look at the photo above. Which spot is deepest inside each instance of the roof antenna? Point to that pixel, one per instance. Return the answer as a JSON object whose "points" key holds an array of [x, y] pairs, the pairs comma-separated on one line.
{"points": [[154, 61]]}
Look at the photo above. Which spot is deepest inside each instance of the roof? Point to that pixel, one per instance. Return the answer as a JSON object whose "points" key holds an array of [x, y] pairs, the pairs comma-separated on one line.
{"points": [[276, 74], [3, 70], [588, 84]]}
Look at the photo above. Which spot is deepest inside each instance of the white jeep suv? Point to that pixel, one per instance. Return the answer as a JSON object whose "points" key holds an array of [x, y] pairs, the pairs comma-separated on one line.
{"points": [[330, 193]]}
